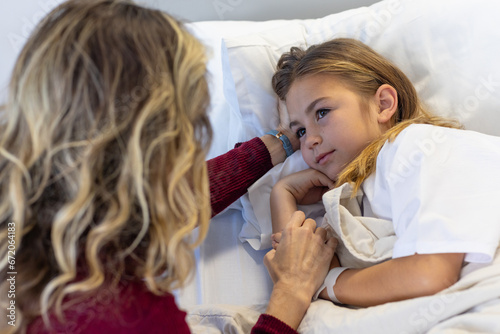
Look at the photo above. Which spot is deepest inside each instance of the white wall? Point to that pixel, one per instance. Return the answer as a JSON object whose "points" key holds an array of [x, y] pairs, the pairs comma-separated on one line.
{"points": [[260, 10], [17, 18]]}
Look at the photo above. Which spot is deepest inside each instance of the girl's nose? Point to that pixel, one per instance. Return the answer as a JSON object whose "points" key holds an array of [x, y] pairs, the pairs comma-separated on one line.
{"points": [[312, 139]]}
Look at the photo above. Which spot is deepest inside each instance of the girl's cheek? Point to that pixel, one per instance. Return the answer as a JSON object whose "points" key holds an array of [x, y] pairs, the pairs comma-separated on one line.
{"points": [[307, 157]]}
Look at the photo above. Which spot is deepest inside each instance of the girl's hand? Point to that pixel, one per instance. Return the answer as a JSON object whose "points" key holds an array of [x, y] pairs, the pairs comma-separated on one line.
{"points": [[275, 239], [307, 186]]}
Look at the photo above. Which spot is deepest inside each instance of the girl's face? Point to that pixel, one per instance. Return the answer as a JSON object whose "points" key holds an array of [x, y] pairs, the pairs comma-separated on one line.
{"points": [[333, 124]]}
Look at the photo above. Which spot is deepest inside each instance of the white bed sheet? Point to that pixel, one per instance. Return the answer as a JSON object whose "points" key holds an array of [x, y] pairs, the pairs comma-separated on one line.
{"points": [[228, 271]]}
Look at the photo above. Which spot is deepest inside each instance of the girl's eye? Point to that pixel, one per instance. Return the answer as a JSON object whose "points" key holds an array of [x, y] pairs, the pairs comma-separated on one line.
{"points": [[322, 113], [300, 132]]}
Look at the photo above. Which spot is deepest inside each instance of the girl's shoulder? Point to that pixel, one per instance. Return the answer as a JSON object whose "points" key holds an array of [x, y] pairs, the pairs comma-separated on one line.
{"points": [[418, 132], [427, 139], [430, 146], [414, 140]]}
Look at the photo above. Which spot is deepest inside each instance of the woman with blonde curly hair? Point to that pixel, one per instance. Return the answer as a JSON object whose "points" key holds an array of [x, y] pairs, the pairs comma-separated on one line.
{"points": [[103, 178]]}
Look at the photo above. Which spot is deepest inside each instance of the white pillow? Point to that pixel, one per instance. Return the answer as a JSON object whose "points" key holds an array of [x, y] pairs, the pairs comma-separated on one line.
{"points": [[224, 111], [447, 48]]}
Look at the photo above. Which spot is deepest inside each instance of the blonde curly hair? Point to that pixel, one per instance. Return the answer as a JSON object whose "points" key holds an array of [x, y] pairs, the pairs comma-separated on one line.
{"points": [[102, 155]]}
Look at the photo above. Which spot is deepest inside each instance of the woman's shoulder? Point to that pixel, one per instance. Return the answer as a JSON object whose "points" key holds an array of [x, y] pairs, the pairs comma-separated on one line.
{"points": [[129, 308]]}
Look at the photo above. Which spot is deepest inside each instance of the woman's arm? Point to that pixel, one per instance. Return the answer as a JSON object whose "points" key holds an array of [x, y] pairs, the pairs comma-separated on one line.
{"points": [[231, 174], [398, 279]]}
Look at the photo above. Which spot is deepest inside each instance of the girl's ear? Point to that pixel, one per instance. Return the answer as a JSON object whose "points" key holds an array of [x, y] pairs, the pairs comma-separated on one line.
{"points": [[387, 99]]}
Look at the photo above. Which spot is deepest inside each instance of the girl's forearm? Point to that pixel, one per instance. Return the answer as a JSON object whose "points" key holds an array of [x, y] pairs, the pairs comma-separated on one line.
{"points": [[283, 205], [398, 279]]}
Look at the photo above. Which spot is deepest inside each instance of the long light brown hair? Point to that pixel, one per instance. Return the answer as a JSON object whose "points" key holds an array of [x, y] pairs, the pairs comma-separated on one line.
{"points": [[102, 155], [363, 70]]}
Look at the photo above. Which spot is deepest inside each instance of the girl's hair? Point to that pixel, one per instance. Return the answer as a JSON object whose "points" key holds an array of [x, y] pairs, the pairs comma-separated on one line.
{"points": [[102, 155], [362, 70]]}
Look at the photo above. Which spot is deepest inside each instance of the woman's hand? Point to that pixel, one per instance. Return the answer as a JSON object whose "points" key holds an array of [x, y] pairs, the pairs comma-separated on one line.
{"points": [[298, 267], [284, 126], [273, 144]]}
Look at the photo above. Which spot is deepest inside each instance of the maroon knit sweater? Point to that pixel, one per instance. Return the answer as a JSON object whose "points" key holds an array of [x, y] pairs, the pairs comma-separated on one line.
{"points": [[130, 307], [232, 173]]}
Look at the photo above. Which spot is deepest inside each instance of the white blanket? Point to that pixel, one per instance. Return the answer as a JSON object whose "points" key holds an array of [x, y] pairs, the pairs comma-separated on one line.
{"points": [[471, 305], [363, 241]]}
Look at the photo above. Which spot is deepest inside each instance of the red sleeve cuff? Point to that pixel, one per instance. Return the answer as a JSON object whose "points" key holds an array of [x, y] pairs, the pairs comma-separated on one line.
{"points": [[267, 324]]}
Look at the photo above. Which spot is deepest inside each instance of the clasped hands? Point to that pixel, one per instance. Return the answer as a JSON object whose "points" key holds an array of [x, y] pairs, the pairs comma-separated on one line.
{"points": [[301, 261]]}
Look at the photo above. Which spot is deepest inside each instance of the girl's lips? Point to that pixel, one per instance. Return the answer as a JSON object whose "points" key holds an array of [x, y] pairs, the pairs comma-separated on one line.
{"points": [[323, 158]]}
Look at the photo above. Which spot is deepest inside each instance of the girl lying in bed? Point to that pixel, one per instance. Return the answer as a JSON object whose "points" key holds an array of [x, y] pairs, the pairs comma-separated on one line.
{"points": [[360, 121]]}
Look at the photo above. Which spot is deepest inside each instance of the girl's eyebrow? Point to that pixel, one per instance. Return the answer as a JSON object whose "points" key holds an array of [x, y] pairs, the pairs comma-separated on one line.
{"points": [[292, 124], [309, 109]]}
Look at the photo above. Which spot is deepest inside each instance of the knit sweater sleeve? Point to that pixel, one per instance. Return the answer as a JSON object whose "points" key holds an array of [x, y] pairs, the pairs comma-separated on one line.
{"points": [[232, 173], [267, 324]]}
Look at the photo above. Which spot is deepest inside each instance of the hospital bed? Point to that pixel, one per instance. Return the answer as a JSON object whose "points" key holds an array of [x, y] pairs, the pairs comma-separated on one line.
{"points": [[449, 49]]}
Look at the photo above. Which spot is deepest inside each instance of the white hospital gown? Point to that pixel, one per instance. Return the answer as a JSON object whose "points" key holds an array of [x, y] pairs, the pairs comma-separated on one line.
{"points": [[441, 189]]}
